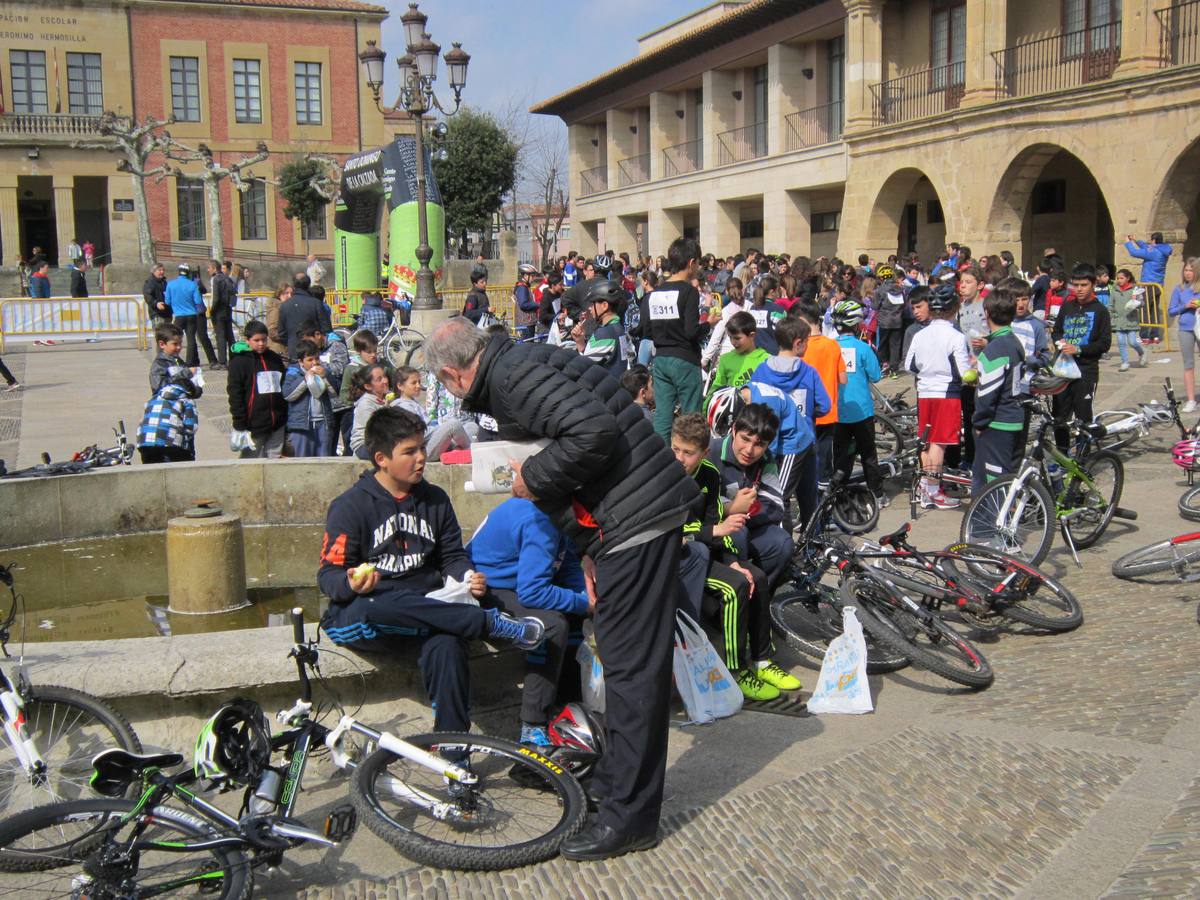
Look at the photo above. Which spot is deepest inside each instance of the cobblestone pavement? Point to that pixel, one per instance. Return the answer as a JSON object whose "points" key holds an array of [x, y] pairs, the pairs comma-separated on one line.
{"points": [[1073, 776]]}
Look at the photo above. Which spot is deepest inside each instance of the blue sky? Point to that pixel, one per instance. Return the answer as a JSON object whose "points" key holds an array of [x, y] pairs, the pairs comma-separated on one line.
{"points": [[518, 51]]}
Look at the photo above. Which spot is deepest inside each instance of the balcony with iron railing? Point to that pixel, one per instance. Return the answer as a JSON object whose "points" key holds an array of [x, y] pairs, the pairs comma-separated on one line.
{"points": [[593, 181], [741, 144], [1179, 34], [681, 159], [815, 126], [48, 125], [633, 170], [917, 95], [1058, 62]]}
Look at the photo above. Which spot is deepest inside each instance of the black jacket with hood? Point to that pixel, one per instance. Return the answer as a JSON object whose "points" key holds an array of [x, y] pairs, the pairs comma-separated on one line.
{"points": [[252, 410], [606, 476]]}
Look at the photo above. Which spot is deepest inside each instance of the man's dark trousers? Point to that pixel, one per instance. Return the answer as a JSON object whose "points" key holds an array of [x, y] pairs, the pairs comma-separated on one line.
{"points": [[635, 624]]}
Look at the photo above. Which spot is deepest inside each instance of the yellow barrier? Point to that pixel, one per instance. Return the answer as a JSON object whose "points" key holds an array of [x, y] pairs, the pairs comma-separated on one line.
{"points": [[1153, 313], [117, 314], [345, 305]]}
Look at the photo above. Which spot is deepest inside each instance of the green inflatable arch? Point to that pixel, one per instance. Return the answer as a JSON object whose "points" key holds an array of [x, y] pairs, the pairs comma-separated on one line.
{"points": [[369, 181]]}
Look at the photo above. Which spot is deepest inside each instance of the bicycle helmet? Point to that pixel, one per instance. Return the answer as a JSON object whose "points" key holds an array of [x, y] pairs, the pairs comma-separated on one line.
{"points": [[1184, 454], [526, 269], [193, 390], [184, 269], [602, 263], [885, 272], [1046, 384], [607, 292], [235, 742], [578, 738], [722, 410], [942, 296], [847, 314]]}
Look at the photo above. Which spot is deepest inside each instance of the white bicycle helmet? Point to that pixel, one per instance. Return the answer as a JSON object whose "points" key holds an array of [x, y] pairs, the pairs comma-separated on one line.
{"points": [[722, 410]]}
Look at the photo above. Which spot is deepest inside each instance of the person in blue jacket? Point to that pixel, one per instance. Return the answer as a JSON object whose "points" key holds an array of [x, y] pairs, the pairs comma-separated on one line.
{"points": [[1153, 255], [855, 429], [533, 570], [187, 311]]}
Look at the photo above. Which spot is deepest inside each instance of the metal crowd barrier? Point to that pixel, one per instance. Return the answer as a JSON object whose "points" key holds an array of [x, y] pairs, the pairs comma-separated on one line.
{"points": [[1153, 313], [345, 304], [118, 315]]}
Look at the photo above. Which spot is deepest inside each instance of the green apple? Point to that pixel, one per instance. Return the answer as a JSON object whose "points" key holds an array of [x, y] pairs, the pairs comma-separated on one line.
{"points": [[970, 376]]}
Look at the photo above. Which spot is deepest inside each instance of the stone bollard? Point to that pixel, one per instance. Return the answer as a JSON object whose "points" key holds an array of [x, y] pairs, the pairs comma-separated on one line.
{"points": [[206, 562]]}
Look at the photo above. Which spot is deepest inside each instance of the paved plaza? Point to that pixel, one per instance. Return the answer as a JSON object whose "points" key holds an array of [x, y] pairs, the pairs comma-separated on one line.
{"points": [[1073, 776]]}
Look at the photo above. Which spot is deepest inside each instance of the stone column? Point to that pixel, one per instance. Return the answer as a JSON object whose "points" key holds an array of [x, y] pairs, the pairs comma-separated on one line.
{"points": [[622, 143], [664, 126], [785, 92], [987, 30], [662, 227], [864, 60], [720, 226], [64, 214], [10, 223], [620, 234], [720, 109], [1141, 35], [787, 222], [585, 237]]}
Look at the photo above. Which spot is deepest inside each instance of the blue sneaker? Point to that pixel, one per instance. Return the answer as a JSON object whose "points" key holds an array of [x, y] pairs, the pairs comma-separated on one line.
{"points": [[535, 736], [525, 633]]}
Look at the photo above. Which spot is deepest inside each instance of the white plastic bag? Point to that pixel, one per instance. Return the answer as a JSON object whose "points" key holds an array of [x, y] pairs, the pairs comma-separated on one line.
{"points": [[240, 440], [708, 690], [1066, 367], [591, 671], [455, 591], [842, 685]]}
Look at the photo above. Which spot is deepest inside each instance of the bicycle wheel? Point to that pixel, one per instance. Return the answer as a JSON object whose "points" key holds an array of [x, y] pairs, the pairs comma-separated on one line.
{"points": [[1120, 439], [405, 348], [1189, 504], [808, 622], [855, 511], [69, 728], [925, 639], [1179, 555], [1098, 504], [75, 849], [1025, 530], [889, 440], [522, 809], [1017, 591]]}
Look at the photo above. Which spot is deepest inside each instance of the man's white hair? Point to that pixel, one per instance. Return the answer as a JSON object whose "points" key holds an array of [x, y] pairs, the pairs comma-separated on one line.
{"points": [[454, 344]]}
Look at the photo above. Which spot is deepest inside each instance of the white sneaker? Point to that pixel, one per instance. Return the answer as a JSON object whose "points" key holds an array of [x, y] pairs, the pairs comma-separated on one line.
{"points": [[1190, 406], [13, 388], [1124, 367], [1145, 359]]}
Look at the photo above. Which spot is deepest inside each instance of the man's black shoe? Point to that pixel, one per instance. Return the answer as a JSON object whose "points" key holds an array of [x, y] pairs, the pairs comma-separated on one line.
{"points": [[604, 842]]}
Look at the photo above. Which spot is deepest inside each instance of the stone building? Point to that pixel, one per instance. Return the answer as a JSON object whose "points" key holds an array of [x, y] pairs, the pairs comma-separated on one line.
{"points": [[844, 126], [234, 72]]}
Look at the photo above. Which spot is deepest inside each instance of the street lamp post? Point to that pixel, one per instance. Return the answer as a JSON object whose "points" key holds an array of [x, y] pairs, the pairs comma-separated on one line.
{"points": [[418, 72]]}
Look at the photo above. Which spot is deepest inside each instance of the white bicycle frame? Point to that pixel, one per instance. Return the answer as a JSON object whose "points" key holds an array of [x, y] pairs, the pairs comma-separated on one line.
{"points": [[16, 728]]}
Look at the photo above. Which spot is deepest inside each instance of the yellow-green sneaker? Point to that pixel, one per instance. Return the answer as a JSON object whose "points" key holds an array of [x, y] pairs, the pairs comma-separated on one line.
{"points": [[754, 688], [777, 676]]}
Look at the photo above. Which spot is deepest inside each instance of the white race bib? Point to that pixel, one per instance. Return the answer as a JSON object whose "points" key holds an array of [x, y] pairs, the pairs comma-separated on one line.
{"points": [[269, 382], [850, 355], [896, 299], [800, 398], [664, 305], [762, 318]]}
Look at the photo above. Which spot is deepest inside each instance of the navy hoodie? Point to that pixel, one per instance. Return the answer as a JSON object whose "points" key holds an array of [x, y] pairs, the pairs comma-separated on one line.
{"points": [[415, 543]]}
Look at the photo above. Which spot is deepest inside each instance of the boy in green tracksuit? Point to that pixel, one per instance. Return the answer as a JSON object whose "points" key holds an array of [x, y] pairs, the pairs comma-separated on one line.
{"points": [[999, 416], [735, 367]]}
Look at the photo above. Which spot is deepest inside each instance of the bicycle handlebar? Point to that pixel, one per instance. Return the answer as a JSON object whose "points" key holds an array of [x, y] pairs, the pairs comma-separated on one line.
{"points": [[302, 652]]}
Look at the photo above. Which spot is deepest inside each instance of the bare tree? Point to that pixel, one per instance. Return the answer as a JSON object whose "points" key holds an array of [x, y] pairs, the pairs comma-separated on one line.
{"points": [[211, 175], [549, 176], [137, 142]]}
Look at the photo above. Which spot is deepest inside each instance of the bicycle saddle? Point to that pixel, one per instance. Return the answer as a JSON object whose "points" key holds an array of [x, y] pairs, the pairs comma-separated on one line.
{"points": [[889, 539], [115, 769]]}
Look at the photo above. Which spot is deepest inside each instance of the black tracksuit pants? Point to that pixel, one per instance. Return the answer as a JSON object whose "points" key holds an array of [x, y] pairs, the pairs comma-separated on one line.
{"points": [[1076, 400], [857, 438], [544, 664], [736, 620], [393, 617], [223, 330], [635, 624]]}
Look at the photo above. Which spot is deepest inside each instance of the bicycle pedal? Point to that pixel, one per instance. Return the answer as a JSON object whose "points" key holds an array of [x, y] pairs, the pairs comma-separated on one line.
{"points": [[341, 823]]}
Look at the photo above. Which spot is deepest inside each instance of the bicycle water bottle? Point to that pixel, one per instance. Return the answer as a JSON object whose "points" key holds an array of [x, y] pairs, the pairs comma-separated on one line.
{"points": [[1055, 471], [266, 795]]}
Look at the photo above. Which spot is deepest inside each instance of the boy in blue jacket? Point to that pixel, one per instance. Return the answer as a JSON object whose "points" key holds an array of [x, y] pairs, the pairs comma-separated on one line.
{"points": [[788, 372], [533, 570], [308, 393], [855, 428], [390, 540]]}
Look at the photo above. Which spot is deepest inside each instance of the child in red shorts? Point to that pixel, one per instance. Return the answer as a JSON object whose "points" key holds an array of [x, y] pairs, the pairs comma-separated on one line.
{"points": [[939, 357]]}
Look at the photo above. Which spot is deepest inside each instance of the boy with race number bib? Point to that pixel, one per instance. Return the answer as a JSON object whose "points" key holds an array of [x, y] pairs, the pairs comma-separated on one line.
{"points": [[855, 429]]}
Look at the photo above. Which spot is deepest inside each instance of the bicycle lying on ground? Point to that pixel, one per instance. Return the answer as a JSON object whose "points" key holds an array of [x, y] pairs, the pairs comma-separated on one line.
{"points": [[1016, 514], [85, 460], [458, 801], [50, 733], [1179, 556], [400, 345]]}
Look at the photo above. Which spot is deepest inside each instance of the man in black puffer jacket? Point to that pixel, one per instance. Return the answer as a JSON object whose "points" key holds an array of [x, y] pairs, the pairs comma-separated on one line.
{"points": [[612, 485]]}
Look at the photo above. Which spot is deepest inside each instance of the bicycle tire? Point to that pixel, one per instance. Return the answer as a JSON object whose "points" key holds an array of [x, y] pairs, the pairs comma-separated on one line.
{"points": [[890, 442], [72, 831], [1189, 504], [945, 652], [1045, 602], [1121, 439], [495, 762], [856, 511], [1027, 538], [1162, 556], [1100, 508], [406, 347], [61, 720], [807, 622]]}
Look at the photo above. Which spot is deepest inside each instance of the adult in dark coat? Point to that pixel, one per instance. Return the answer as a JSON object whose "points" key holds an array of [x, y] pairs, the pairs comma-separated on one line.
{"points": [[612, 485], [301, 309], [222, 292], [79, 287], [154, 292]]}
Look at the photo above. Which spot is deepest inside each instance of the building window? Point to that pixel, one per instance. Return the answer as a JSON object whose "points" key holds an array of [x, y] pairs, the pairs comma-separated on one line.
{"points": [[697, 123], [752, 228], [1090, 25], [189, 204], [308, 93], [29, 81], [934, 215], [185, 88], [826, 222], [253, 205], [314, 229], [85, 87], [247, 90], [948, 44], [1049, 197]]}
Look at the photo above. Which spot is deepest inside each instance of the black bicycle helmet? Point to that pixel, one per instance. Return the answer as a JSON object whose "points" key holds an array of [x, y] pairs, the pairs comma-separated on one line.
{"points": [[1047, 384], [942, 296], [235, 742], [194, 391], [610, 291], [602, 263]]}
